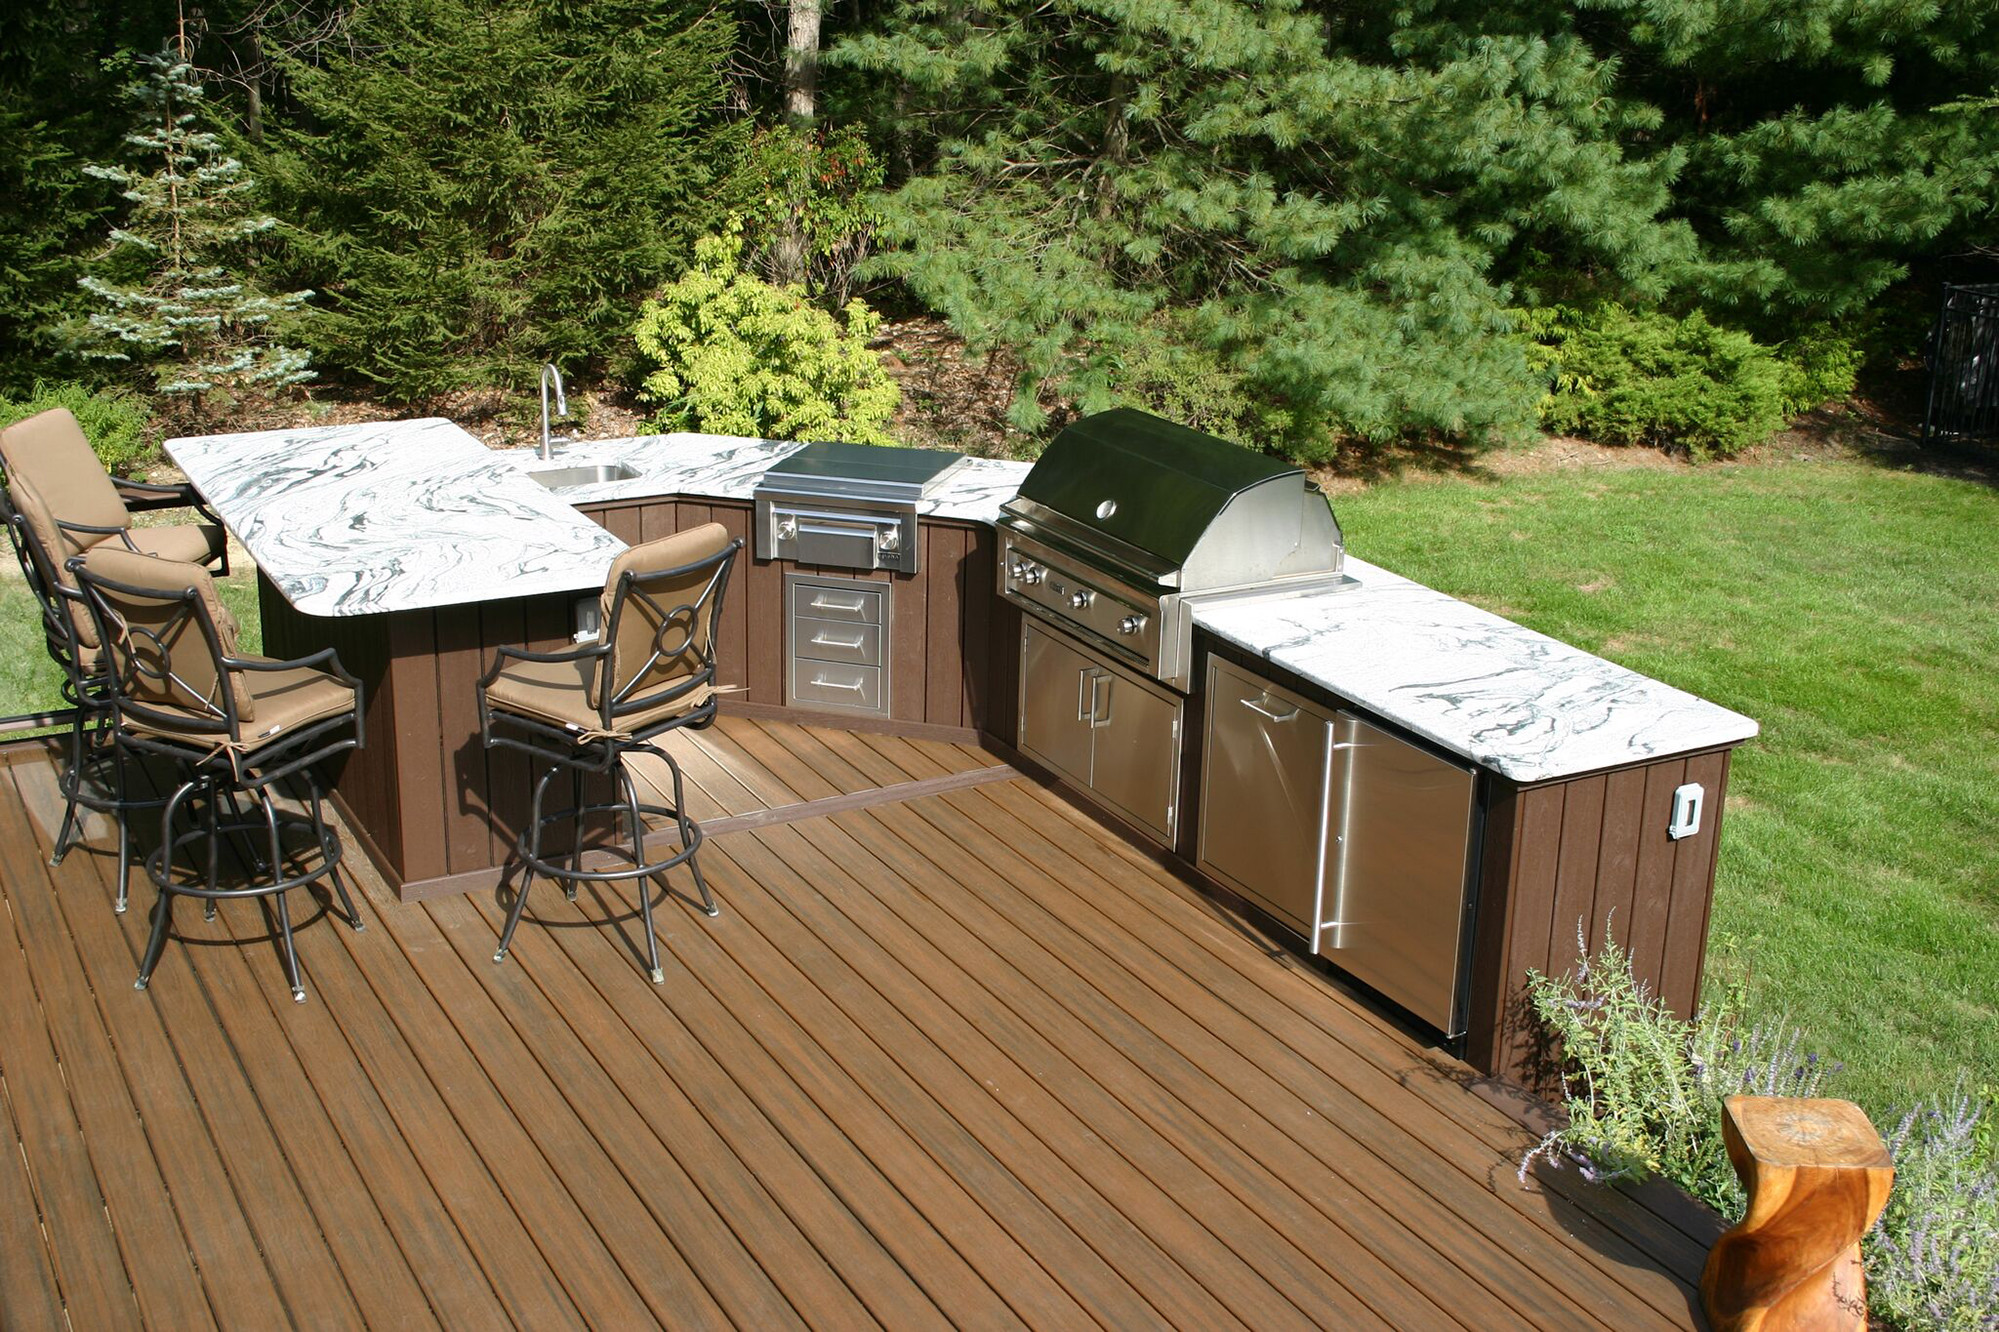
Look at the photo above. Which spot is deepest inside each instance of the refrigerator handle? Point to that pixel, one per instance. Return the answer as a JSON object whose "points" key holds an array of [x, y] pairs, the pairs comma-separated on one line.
{"points": [[1326, 930]]}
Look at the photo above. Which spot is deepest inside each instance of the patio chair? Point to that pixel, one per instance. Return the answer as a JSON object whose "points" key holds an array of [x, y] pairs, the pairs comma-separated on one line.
{"points": [[234, 725], [87, 690], [73, 504], [651, 671]]}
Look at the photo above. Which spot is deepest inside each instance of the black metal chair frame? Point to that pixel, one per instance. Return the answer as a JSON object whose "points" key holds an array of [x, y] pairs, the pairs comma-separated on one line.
{"points": [[563, 749], [215, 773]]}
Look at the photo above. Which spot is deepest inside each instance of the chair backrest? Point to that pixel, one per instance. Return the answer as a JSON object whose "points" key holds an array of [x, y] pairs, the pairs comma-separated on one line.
{"points": [[62, 607], [167, 635], [55, 477], [659, 609]]}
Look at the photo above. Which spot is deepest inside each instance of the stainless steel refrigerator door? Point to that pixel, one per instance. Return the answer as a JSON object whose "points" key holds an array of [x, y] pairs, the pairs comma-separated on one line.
{"points": [[1135, 762], [1395, 901], [1264, 775], [1056, 688]]}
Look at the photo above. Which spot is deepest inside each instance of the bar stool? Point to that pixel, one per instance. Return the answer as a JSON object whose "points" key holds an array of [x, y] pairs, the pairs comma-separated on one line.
{"points": [[48, 456], [651, 671], [234, 725]]}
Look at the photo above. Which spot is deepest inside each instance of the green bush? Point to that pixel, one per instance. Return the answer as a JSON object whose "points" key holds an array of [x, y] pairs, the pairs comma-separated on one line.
{"points": [[116, 422], [1622, 377], [1820, 366], [1644, 1092], [1644, 1089], [738, 356]]}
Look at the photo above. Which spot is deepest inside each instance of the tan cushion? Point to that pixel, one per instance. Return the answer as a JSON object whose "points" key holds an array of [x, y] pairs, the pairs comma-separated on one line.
{"points": [[49, 457], [560, 692], [197, 676], [196, 543], [285, 701], [639, 629]]}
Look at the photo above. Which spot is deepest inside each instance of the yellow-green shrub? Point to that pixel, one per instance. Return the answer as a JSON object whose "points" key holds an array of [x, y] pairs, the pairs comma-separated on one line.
{"points": [[738, 356]]}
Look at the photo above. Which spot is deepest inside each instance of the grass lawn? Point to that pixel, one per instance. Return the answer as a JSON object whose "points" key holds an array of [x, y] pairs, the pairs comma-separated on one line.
{"points": [[30, 682], [1851, 610]]}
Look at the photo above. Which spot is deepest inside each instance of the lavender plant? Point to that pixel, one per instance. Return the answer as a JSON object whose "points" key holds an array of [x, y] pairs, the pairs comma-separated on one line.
{"points": [[1933, 1258], [1644, 1088]]}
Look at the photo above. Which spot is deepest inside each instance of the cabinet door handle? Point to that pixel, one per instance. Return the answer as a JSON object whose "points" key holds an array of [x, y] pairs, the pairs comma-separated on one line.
{"points": [[1102, 719], [820, 603], [1086, 697], [1256, 706], [821, 640], [821, 682]]}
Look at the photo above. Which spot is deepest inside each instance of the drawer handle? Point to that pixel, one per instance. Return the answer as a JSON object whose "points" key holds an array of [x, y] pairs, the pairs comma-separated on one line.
{"points": [[820, 640], [1256, 706], [821, 682], [820, 603]]}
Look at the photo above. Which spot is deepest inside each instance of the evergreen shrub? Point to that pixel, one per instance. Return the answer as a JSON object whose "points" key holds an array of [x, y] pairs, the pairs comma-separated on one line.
{"points": [[1630, 377], [1820, 366], [116, 422], [735, 355]]}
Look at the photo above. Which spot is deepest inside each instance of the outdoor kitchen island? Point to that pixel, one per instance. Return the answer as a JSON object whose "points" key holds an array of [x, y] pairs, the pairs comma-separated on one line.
{"points": [[417, 552]]}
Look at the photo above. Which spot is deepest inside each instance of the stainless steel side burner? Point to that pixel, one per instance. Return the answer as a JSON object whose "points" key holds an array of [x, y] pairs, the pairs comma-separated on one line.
{"points": [[848, 506]]}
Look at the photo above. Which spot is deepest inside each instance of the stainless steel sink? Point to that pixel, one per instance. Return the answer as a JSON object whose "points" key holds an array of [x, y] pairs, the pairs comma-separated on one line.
{"points": [[568, 478]]}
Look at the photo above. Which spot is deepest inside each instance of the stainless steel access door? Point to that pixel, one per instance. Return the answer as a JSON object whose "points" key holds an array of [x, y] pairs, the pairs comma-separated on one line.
{"points": [[1394, 905], [1264, 792], [1055, 703], [1114, 734], [1135, 756]]}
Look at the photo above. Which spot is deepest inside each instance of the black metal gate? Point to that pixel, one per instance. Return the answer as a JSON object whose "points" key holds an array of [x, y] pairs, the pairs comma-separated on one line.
{"points": [[1964, 365]]}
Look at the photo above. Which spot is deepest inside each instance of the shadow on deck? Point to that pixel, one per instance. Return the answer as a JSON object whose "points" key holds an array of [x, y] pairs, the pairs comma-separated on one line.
{"points": [[963, 1058]]}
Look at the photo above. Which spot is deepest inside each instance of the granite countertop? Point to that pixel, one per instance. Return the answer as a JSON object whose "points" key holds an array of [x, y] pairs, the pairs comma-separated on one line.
{"points": [[1528, 706], [360, 519], [387, 516], [729, 467]]}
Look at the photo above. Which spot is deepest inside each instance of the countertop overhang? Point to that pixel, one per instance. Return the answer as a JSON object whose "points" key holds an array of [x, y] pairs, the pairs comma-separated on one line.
{"points": [[408, 515]]}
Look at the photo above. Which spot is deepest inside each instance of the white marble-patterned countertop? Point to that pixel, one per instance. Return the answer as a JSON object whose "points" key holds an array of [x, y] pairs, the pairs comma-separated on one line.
{"points": [[354, 520], [387, 516], [1528, 706], [729, 467]]}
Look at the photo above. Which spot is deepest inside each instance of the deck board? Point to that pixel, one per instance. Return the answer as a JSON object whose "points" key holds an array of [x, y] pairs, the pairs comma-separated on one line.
{"points": [[955, 1057]]}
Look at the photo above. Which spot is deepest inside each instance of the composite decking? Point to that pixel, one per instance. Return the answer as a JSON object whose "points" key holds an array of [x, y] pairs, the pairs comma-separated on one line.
{"points": [[961, 1058]]}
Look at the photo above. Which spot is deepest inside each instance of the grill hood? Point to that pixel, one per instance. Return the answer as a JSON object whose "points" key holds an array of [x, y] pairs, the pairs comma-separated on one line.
{"points": [[1184, 510]]}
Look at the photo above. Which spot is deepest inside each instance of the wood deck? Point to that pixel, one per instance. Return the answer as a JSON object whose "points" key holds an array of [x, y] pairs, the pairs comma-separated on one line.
{"points": [[964, 1058]]}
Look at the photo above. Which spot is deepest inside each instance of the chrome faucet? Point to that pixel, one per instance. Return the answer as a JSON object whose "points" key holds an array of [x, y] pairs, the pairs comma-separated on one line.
{"points": [[561, 408]]}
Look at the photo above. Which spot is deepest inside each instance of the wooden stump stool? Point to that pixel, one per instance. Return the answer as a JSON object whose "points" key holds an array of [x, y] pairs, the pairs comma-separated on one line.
{"points": [[1817, 1176]]}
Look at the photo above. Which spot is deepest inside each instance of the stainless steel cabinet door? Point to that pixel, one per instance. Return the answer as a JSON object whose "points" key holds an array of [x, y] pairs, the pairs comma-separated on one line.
{"points": [[1135, 762], [1264, 793], [1404, 826], [1056, 684]]}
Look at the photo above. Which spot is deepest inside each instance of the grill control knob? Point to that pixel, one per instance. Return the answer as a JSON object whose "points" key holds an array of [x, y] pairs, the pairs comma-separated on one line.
{"points": [[889, 539], [787, 529], [1082, 599], [1032, 574], [1131, 624]]}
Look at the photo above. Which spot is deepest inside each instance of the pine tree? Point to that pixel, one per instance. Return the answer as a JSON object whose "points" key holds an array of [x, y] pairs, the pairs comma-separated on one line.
{"points": [[1342, 210], [181, 301], [1338, 232], [477, 187]]}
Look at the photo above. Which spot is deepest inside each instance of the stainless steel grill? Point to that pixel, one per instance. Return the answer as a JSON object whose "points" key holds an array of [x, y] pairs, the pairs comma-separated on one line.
{"points": [[847, 506], [1128, 522]]}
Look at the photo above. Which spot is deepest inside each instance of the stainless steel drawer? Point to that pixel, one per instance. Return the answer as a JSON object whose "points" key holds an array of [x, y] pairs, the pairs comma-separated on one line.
{"points": [[828, 599], [836, 684], [836, 640]]}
